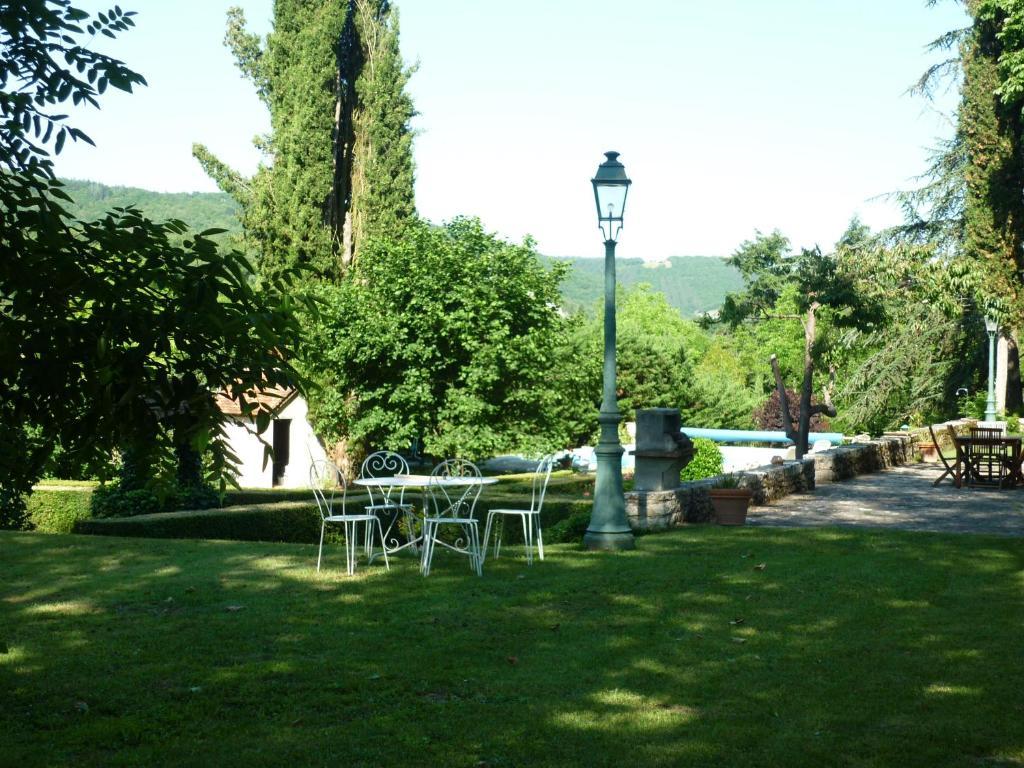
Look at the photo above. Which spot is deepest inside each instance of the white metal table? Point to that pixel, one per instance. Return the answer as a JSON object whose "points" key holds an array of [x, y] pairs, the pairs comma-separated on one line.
{"points": [[417, 483]]}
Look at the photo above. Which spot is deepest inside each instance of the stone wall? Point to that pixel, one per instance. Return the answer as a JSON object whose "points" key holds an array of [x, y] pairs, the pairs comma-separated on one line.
{"points": [[690, 503]]}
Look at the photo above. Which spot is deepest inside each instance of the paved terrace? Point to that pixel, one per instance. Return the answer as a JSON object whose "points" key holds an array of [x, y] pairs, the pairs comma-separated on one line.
{"points": [[901, 497]]}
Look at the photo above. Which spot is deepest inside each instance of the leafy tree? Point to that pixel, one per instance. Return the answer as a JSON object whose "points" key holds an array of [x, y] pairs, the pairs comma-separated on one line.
{"points": [[340, 147], [447, 336], [110, 334], [907, 368], [768, 268]]}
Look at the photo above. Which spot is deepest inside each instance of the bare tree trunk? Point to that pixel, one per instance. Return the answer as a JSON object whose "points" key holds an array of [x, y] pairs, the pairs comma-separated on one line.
{"points": [[807, 385], [780, 385]]}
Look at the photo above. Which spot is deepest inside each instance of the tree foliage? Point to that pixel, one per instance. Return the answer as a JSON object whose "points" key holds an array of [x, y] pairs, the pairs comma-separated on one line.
{"points": [[820, 285], [340, 147], [110, 333], [447, 336]]}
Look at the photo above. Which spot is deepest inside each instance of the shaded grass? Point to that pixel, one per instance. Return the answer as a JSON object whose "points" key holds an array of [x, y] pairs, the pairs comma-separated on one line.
{"points": [[848, 648]]}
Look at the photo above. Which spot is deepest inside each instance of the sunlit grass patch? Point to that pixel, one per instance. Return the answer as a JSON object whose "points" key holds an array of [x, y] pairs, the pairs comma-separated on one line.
{"points": [[846, 648]]}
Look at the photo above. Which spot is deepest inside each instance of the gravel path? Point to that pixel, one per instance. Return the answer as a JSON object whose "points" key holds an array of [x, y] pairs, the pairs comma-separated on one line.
{"points": [[902, 497]]}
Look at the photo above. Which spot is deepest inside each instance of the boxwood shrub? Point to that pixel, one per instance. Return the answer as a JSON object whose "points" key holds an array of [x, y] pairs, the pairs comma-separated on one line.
{"points": [[562, 520], [58, 511], [707, 461]]}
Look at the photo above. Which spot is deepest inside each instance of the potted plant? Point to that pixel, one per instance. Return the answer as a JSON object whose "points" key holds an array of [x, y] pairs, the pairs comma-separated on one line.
{"points": [[929, 451], [729, 500]]}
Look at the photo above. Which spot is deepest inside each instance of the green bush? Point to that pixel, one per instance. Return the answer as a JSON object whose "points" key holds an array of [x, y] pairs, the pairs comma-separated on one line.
{"points": [[111, 501], [707, 461], [57, 511]]}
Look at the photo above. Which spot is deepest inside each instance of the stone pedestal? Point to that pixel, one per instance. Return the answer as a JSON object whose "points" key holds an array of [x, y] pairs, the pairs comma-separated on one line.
{"points": [[662, 450]]}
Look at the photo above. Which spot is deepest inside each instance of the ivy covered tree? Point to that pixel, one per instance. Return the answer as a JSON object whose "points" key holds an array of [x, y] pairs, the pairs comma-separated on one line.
{"points": [[971, 205], [340, 150], [114, 333]]}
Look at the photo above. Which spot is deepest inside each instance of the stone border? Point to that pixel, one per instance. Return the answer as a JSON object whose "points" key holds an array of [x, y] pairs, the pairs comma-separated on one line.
{"points": [[690, 502]]}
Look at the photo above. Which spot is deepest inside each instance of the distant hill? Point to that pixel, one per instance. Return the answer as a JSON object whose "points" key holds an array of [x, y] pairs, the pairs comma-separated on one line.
{"points": [[692, 284], [200, 210]]}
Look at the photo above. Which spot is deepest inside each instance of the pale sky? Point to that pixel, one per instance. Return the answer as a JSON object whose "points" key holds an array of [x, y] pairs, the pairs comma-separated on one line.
{"points": [[730, 116]]}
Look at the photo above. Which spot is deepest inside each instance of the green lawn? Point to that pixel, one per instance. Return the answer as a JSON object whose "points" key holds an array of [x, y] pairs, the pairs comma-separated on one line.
{"points": [[846, 648]]}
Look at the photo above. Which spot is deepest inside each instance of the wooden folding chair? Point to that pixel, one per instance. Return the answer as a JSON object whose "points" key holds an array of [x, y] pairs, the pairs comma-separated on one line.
{"points": [[987, 456], [951, 471]]}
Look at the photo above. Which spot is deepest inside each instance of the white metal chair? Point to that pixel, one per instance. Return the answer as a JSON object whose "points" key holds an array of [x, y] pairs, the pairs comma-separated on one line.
{"points": [[328, 483], [530, 517], [451, 499], [387, 500]]}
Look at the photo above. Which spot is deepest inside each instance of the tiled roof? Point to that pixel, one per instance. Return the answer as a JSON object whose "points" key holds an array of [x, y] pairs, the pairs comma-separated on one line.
{"points": [[271, 399]]}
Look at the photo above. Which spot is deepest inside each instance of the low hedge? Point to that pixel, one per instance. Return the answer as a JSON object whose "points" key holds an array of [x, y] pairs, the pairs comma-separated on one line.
{"points": [[235, 497], [58, 511], [561, 519]]}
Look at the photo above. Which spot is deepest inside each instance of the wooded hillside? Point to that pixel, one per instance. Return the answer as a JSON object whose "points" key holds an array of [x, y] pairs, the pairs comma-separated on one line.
{"points": [[690, 283]]}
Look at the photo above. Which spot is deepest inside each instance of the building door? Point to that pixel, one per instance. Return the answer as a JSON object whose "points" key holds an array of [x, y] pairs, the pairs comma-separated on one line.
{"points": [[281, 444]]}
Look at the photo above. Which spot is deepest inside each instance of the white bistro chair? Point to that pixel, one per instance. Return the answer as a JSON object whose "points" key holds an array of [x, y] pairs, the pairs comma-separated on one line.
{"points": [[386, 500], [451, 503], [530, 517], [329, 488]]}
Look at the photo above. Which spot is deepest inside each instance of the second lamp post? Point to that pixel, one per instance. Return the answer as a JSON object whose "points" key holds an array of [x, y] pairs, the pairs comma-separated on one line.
{"points": [[609, 528], [990, 404]]}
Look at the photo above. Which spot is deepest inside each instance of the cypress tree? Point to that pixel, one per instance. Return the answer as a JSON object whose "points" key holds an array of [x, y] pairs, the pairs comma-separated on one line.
{"points": [[990, 128], [341, 145]]}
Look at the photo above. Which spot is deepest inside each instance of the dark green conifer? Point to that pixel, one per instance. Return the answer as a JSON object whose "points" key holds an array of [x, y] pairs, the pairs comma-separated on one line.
{"points": [[340, 146]]}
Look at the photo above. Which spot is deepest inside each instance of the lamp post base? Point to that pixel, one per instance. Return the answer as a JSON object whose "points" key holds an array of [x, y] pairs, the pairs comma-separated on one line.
{"points": [[609, 527], [609, 541]]}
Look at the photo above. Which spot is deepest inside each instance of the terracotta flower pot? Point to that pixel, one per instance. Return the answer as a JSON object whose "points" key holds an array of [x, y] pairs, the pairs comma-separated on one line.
{"points": [[730, 505], [929, 452]]}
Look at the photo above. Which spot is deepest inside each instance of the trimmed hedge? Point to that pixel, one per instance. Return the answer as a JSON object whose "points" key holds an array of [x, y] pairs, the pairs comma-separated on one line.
{"points": [[299, 522], [58, 511], [235, 497]]}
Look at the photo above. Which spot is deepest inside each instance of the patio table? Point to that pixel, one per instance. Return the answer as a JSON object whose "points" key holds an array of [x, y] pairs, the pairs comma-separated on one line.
{"points": [[416, 483], [1012, 463]]}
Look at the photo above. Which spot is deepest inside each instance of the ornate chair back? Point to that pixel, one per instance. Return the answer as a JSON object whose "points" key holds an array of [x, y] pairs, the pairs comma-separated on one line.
{"points": [[541, 476], [384, 464], [328, 485], [453, 499]]}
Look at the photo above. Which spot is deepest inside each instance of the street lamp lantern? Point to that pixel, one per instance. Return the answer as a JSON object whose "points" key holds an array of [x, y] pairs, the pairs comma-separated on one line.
{"points": [[611, 186], [609, 528], [992, 326]]}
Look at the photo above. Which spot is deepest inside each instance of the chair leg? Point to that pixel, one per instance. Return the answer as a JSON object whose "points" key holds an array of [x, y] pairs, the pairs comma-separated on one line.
{"points": [[528, 538], [319, 554], [498, 533], [383, 549], [487, 533], [351, 531], [427, 549], [368, 540], [540, 539], [478, 555]]}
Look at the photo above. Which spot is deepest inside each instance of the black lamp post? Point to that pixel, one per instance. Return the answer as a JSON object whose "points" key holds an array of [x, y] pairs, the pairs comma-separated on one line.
{"points": [[609, 528]]}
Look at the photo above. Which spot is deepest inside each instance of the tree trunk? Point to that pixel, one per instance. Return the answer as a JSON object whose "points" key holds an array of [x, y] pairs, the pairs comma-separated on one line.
{"points": [[1013, 381], [780, 385], [807, 386]]}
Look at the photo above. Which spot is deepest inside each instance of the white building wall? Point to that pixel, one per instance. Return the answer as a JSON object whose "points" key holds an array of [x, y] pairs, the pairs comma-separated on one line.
{"points": [[304, 449], [249, 451], [305, 446]]}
